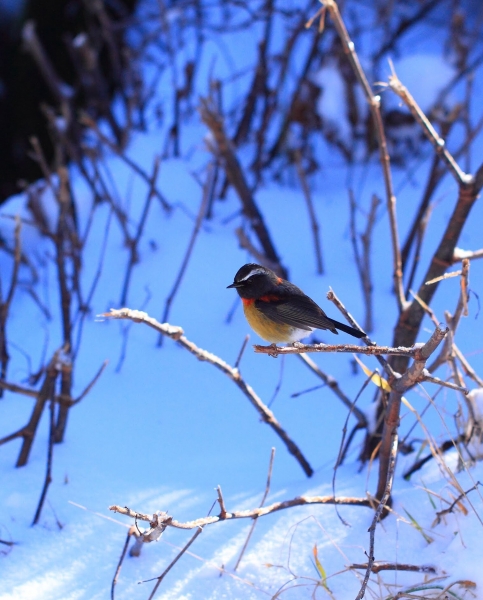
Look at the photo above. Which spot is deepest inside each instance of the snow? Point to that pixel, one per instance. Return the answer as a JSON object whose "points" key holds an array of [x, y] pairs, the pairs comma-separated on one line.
{"points": [[160, 430]]}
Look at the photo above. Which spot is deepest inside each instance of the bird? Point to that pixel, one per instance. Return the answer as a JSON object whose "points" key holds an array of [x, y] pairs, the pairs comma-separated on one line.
{"points": [[277, 310]]}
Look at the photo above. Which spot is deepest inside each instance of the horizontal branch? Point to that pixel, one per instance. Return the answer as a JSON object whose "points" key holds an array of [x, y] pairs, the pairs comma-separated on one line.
{"points": [[163, 520], [299, 348]]}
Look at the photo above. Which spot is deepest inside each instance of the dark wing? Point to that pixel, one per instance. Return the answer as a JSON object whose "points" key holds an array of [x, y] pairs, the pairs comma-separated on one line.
{"points": [[298, 311]]}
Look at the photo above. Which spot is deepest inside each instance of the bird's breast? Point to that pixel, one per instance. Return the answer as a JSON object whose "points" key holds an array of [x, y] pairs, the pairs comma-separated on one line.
{"points": [[269, 330]]}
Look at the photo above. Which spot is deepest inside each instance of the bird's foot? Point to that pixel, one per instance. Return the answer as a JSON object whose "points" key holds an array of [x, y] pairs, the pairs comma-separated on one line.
{"points": [[274, 351]]}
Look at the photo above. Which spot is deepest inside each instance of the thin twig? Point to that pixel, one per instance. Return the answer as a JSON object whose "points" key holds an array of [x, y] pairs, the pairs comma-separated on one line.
{"points": [[90, 385], [314, 224], [444, 447], [453, 321], [468, 369], [224, 149], [334, 386], [259, 257], [379, 512], [363, 260], [457, 500], [18, 389], [432, 135], [267, 490], [332, 296], [377, 567], [50, 452], [343, 448], [130, 533], [242, 350], [173, 562], [374, 103], [5, 304], [443, 383], [86, 120], [133, 242], [208, 191], [221, 502]]}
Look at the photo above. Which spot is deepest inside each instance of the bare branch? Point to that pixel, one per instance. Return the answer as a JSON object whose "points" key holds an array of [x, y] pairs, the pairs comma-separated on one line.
{"points": [[299, 348], [432, 135], [168, 521], [176, 333], [374, 103], [363, 259], [50, 454], [381, 509], [173, 562], [208, 191], [416, 371], [91, 124], [259, 257], [332, 296], [5, 304], [311, 210], [457, 500], [132, 242], [131, 532], [453, 321], [224, 148], [90, 385]]}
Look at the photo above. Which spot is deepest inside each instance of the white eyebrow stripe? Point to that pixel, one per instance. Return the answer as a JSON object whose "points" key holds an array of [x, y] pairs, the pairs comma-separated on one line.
{"points": [[254, 272]]}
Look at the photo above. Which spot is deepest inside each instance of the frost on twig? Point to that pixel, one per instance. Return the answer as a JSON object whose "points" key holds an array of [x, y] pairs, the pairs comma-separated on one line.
{"points": [[161, 520], [176, 333]]}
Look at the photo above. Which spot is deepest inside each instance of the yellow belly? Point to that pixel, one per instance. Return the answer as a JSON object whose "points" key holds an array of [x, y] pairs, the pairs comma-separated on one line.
{"points": [[269, 330]]}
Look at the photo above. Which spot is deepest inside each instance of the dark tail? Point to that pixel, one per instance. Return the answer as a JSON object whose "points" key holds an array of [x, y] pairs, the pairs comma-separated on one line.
{"points": [[347, 329]]}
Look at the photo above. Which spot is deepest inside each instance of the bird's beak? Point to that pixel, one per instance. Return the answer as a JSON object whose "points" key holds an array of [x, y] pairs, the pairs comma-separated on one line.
{"points": [[235, 285]]}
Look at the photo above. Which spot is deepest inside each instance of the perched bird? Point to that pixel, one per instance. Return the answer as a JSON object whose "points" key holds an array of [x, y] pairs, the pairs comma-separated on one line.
{"points": [[277, 310]]}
